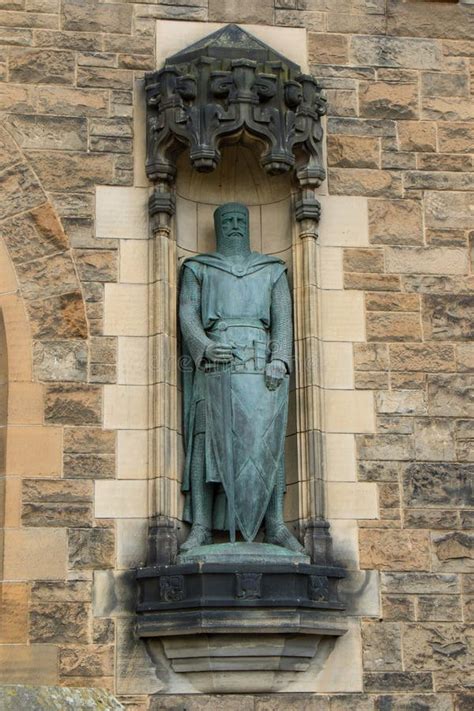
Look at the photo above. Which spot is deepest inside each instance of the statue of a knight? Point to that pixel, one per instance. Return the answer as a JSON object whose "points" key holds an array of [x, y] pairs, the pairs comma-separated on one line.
{"points": [[235, 317]]}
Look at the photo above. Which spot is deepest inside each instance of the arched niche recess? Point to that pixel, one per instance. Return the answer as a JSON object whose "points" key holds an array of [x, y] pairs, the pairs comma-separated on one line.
{"points": [[230, 119]]}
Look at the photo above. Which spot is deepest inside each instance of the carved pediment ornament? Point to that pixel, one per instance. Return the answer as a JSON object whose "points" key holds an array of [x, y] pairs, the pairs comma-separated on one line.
{"points": [[228, 83]]}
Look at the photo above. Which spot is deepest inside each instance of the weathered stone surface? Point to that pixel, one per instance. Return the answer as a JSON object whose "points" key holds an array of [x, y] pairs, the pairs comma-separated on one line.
{"points": [[41, 66], [93, 660], [373, 183], [433, 21], [395, 222], [450, 210], [96, 264], [451, 393], [48, 276], [412, 702], [465, 441], [14, 599], [378, 301], [89, 440], [379, 470], [437, 180], [371, 282], [426, 260], [394, 549], [453, 552], [448, 317], [419, 583], [47, 132], [388, 100], [398, 608], [437, 608], [19, 190], [417, 135], [390, 424], [72, 591], [385, 446], [370, 356], [55, 698], [70, 170], [455, 137], [57, 491], [361, 127], [73, 405], [363, 260], [62, 622], [89, 16], [58, 317], [71, 101], [328, 49], [104, 78], [343, 102], [91, 548], [445, 109], [398, 681], [422, 357], [61, 515], [89, 466], [434, 439], [440, 484], [385, 326], [34, 234], [382, 646], [440, 646], [395, 52], [370, 380], [353, 152], [60, 360]]}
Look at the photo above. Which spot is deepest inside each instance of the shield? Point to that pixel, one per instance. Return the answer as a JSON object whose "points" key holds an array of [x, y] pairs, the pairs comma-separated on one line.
{"points": [[245, 436]]}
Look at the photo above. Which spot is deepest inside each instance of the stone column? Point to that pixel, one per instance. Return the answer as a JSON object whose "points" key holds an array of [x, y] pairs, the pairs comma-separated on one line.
{"points": [[163, 387]]}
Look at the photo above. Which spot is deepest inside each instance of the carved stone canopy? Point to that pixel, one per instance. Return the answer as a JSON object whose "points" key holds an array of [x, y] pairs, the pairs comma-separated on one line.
{"points": [[227, 84]]}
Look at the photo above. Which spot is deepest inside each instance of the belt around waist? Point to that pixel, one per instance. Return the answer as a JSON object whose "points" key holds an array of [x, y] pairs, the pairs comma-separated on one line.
{"points": [[224, 324]]}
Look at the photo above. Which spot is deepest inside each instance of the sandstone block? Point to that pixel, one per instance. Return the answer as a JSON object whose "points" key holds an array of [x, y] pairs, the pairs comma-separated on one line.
{"points": [[385, 326], [121, 499], [41, 66], [448, 317], [434, 439], [72, 101], [89, 16], [421, 357], [343, 102], [385, 446], [451, 393], [42, 456], [16, 98], [368, 380], [60, 360], [437, 180], [89, 466], [437, 484], [19, 190], [69, 170], [395, 222], [91, 548], [328, 49], [417, 135], [58, 317], [71, 591], [431, 518], [455, 137], [382, 646], [60, 622], [438, 21], [55, 133], [398, 608], [453, 210], [363, 260], [395, 52], [379, 301], [14, 598], [49, 276], [414, 583], [401, 550], [370, 356], [73, 405], [371, 282], [89, 440], [388, 100], [372, 183], [57, 515], [453, 552], [426, 260], [28, 664], [445, 109], [436, 646], [362, 127], [434, 608], [401, 402], [96, 264], [35, 554], [86, 661], [34, 234], [447, 163], [104, 78], [444, 84]]}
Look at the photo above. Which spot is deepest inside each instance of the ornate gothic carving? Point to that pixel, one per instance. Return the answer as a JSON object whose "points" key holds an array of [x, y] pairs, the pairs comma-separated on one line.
{"points": [[226, 84]]}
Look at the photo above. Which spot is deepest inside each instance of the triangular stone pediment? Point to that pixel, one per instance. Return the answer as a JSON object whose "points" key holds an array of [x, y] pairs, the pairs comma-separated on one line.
{"points": [[230, 42]]}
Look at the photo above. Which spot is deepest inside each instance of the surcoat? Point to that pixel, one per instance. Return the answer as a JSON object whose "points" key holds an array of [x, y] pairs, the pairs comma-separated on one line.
{"points": [[247, 305]]}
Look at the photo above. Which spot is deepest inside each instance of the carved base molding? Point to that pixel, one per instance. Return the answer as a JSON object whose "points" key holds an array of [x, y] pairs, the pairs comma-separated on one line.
{"points": [[238, 617]]}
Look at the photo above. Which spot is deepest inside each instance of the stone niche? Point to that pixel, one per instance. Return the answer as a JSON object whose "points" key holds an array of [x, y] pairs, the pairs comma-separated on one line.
{"points": [[231, 119]]}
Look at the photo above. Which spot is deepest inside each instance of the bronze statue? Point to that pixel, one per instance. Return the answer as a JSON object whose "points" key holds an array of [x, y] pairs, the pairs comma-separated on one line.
{"points": [[235, 317]]}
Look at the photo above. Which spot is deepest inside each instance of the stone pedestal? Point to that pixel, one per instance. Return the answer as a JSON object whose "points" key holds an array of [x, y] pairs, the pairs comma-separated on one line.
{"points": [[242, 614]]}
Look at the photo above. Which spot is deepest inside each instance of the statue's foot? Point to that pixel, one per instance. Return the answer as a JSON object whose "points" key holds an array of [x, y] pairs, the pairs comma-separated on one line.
{"points": [[281, 536], [199, 536]]}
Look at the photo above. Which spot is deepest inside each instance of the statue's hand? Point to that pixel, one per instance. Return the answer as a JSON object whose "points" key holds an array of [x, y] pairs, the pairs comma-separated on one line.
{"points": [[218, 353], [274, 374]]}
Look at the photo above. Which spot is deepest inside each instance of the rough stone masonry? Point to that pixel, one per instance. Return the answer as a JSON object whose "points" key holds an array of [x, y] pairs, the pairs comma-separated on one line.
{"points": [[400, 132]]}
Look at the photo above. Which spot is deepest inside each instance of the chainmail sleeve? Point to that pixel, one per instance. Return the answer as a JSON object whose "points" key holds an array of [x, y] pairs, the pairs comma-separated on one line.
{"points": [[190, 316], [281, 322]]}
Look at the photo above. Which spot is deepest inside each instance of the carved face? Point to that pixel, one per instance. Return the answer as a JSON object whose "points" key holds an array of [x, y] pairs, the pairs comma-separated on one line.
{"points": [[234, 224]]}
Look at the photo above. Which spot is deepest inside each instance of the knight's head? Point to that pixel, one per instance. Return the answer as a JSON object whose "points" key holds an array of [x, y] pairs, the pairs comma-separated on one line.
{"points": [[231, 222]]}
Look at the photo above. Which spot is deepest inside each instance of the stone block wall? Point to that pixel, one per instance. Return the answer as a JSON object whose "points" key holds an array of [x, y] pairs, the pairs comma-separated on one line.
{"points": [[73, 297]]}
